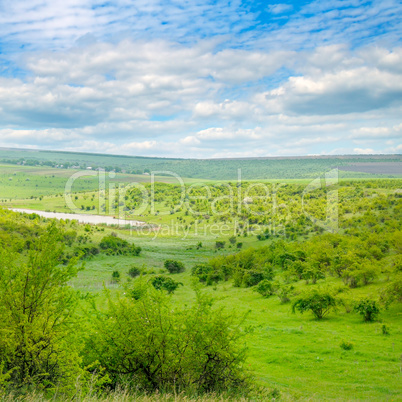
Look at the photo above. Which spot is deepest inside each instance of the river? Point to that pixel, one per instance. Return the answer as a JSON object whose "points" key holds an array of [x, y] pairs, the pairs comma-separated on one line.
{"points": [[83, 218]]}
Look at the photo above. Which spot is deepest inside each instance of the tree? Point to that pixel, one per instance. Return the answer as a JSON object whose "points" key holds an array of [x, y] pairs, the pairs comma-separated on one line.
{"points": [[319, 302], [37, 315]]}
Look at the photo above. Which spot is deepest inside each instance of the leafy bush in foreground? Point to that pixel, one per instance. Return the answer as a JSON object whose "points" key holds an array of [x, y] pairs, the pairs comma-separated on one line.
{"points": [[37, 312], [152, 345]]}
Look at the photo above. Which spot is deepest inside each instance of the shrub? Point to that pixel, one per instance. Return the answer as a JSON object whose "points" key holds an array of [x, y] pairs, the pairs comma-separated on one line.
{"points": [[266, 288], [38, 323], [174, 267], [313, 274], [114, 245], [162, 282], [284, 293], [115, 277], [359, 275], [252, 278], [206, 273], [319, 302], [368, 309], [134, 272], [345, 345], [219, 245], [393, 291], [152, 344]]}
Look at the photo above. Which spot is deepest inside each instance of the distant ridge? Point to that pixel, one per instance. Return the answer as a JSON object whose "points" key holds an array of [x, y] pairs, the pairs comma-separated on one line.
{"points": [[291, 157], [257, 168]]}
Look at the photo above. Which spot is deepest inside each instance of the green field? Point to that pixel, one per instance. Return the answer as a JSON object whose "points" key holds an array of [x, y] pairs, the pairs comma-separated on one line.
{"points": [[296, 355]]}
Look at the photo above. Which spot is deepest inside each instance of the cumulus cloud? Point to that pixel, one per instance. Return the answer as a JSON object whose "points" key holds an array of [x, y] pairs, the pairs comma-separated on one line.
{"points": [[227, 83]]}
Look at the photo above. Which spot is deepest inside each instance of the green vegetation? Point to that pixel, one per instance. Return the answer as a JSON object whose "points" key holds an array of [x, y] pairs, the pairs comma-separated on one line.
{"points": [[369, 309], [174, 267], [320, 303], [101, 311]]}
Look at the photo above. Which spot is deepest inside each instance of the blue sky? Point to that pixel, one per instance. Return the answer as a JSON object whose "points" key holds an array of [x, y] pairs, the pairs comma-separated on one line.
{"points": [[202, 78]]}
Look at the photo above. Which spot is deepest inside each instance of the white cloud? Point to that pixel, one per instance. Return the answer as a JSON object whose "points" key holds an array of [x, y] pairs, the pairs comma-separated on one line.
{"points": [[161, 98], [366, 151], [279, 8]]}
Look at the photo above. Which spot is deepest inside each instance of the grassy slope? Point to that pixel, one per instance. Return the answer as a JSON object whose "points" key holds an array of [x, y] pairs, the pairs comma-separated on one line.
{"points": [[294, 353], [298, 355]]}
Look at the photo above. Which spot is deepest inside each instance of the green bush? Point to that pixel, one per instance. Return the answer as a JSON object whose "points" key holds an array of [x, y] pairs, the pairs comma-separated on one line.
{"points": [[113, 245], [266, 288], [345, 345], [174, 267], [161, 282], [368, 308], [206, 274], [134, 272], [151, 344], [219, 245], [252, 278], [284, 292], [115, 277], [319, 302], [38, 323]]}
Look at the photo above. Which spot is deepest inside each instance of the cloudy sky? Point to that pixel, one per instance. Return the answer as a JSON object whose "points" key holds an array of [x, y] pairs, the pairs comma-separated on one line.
{"points": [[202, 78]]}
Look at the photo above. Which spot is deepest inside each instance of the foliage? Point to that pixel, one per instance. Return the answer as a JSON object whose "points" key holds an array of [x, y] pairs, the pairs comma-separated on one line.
{"points": [[113, 245], [174, 267], [219, 244], [346, 345], [207, 274], [134, 272], [368, 308], [162, 282], [37, 314], [284, 292], [115, 277], [319, 302], [267, 288], [393, 291], [149, 344]]}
